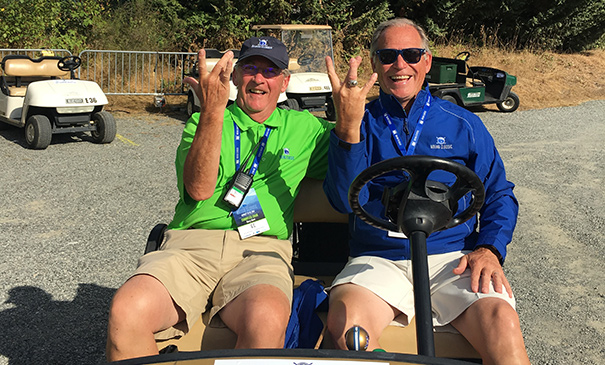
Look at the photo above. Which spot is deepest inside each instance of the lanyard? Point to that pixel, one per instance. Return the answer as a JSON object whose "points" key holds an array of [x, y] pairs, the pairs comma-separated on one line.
{"points": [[261, 149], [417, 130]]}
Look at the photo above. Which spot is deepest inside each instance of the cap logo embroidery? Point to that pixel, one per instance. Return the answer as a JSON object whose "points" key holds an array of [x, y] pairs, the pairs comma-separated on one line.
{"points": [[262, 43]]}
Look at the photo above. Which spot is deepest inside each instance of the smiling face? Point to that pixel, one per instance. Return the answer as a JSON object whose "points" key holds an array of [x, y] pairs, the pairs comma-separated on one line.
{"points": [[400, 79], [256, 94]]}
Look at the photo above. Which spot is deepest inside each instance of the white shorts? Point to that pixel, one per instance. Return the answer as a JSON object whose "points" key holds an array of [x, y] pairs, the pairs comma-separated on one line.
{"points": [[450, 294]]}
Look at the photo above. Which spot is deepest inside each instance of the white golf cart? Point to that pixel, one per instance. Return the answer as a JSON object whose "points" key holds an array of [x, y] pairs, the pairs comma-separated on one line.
{"points": [[308, 46], [44, 96], [309, 86], [212, 57]]}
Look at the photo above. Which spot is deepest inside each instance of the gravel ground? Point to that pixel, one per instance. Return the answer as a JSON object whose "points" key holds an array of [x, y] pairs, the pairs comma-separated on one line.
{"points": [[74, 219]]}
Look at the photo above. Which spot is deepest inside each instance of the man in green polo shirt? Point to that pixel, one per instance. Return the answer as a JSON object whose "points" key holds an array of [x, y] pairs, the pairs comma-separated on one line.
{"points": [[239, 170]]}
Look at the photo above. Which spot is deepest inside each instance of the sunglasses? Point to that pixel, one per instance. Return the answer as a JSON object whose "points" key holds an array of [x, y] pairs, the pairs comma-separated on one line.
{"points": [[268, 72], [409, 55]]}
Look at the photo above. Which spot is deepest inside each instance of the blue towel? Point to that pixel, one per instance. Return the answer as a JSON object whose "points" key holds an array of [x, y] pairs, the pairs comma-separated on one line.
{"points": [[305, 326]]}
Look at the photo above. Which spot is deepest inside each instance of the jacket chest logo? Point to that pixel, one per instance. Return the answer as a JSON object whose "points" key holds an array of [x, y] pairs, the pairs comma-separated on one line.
{"points": [[441, 144]]}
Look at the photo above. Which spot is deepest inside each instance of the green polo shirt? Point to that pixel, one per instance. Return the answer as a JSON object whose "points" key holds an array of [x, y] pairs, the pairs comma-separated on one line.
{"points": [[297, 147]]}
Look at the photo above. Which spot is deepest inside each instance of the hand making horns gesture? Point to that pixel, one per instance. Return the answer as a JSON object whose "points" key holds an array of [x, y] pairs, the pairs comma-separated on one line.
{"points": [[349, 99], [212, 89]]}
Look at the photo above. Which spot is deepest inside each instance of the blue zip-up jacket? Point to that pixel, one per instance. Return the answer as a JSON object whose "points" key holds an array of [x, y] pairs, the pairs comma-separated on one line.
{"points": [[449, 132]]}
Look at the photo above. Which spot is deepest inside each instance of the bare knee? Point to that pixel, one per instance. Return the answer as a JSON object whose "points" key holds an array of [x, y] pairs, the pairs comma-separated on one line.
{"points": [[136, 302], [501, 316], [337, 320], [354, 305], [141, 306], [272, 316], [259, 317], [492, 326]]}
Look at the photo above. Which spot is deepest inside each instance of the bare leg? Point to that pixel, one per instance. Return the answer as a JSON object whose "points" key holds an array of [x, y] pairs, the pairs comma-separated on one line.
{"points": [[351, 305], [492, 326], [140, 308], [259, 317]]}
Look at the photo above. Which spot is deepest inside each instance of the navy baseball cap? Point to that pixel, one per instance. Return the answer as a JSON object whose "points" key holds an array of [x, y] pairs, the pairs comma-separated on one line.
{"points": [[268, 47]]}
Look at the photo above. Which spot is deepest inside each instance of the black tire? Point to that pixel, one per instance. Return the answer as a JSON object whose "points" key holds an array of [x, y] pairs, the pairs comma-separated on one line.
{"points": [[290, 104], [330, 110], [191, 107], [293, 104], [106, 127], [38, 132], [450, 98], [510, 104]]}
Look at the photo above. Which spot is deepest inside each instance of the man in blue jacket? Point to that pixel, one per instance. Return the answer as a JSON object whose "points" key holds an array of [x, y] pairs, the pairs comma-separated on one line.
{"points": [[468, 287]]}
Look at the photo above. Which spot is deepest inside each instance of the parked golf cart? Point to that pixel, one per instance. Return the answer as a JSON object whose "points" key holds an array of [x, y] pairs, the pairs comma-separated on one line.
{"points": [[308, 46], [44, 96], [320, 242], [453, 80]]}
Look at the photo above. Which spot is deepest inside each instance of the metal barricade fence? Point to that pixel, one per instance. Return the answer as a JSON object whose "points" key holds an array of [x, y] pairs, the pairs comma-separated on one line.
{"points": [[126, 72], [137, 72]]}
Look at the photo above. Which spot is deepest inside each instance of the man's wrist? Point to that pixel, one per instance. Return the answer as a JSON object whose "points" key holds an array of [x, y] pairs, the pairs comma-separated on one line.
{"points": [[347, 134], [493, 249]]}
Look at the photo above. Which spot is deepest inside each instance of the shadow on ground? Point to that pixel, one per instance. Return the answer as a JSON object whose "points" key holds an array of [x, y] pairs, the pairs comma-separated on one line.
{"points": [[42, 330]]}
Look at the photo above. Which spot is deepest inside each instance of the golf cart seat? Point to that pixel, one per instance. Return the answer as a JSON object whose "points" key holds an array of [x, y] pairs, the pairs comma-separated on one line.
{"points": [[320, 242], [20, 70]]}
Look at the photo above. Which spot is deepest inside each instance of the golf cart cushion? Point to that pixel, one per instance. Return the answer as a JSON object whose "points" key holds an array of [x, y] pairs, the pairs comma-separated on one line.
{"points": [[394, 338], [17, 90], [293, 64], [23, 66], [20, 70]]}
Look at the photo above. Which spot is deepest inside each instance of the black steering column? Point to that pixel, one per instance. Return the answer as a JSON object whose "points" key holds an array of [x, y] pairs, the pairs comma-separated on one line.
{"points": [[417, 207]]}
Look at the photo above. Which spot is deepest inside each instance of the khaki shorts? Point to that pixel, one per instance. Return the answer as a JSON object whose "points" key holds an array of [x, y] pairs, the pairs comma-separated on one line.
{"points": [[450, 294], [200, 266]]}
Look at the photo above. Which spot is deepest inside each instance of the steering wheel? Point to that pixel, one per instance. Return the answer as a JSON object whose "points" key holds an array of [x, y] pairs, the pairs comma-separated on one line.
{"points": [[305, 59], [69, 63], [420, 204], [464, 55]]}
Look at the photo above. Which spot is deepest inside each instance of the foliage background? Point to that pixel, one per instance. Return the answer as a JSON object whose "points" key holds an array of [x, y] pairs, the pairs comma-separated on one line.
{"points": [[183, 25]]}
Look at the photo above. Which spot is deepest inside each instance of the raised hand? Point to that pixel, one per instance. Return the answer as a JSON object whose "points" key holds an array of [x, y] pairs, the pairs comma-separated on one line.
{"points": [[349, 99], [212, 89]]}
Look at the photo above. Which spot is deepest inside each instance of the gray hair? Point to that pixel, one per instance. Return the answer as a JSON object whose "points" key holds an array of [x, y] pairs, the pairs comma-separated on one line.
{"points": [[397, 22]]}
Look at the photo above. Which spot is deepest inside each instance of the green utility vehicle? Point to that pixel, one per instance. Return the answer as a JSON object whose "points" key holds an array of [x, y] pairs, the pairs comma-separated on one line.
{"points": [[453, 80]]}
